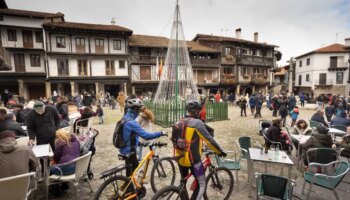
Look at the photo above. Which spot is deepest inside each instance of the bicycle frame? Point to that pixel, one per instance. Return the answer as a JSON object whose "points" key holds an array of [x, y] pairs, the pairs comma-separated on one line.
{"points": [[133, 178]]}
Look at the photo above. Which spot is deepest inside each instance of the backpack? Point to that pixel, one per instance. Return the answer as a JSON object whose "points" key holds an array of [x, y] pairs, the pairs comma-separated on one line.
{"points": [[118, 140], [178, 134]]}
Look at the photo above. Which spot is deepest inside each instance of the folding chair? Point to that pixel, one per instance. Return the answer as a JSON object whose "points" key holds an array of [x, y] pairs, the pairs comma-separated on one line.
{"points": [[17, 187]]}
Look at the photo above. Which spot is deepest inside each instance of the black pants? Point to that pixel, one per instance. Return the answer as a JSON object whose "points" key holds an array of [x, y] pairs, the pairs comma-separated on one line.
{"points": [[243, 110], [133, 162], [274, 113], [302, 103], [252, 109], [184, 172], [258, 112]]}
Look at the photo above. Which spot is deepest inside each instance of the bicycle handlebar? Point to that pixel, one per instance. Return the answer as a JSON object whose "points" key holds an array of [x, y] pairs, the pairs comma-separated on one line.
{"points": [[153, 144]]}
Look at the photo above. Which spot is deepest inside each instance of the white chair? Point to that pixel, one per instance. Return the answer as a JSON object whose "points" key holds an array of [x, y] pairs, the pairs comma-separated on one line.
{"points": [[22, 140], [17, 187], [81, 167]]}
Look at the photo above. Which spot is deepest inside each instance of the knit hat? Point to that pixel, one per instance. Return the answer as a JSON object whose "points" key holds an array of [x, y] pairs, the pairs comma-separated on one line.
{"points": [[38, 104], [6, 134], [322, 129]]}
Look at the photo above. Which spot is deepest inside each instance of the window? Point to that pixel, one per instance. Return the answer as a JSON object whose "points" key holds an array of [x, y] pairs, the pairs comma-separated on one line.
{"points": [[300, 79], [245, 70], [80, 41], [308, 62], [35, 60], [11, 35], [227, 51], [62, 67], [19, 62], [82, 67], [110, 71], [256, 70], [238, 51], [99, 42], [39, 36], [60, 42], [300, 63], [334, 61], [117, 44], [228, 70], [145, 73], [1, 18], [245, 51], [121, 64], [307, 79], [340, 76]]}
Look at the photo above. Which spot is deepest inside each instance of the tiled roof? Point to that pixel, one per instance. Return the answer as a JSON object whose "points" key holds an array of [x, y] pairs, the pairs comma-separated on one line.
{"points": [[148, 41], [281, 71], [227, 39], [162, 42], [333, 48], [84, 26], [26, 13]]}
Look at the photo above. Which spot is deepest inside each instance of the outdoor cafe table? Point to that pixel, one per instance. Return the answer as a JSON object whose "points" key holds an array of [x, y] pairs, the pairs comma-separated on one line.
{"points": [[301, 139], [336, 132], [43, 152], [255, 155]]}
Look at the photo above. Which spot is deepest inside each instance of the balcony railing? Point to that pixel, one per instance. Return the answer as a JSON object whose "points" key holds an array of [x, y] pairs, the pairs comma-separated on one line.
{"points": [[144, 58], [205, 61], [256, 60], [228, 59], [228, 78], [323, 82], [260, 78], [338, 66]]}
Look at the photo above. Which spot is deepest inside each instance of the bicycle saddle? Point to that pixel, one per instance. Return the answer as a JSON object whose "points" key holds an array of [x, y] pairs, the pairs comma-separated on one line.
{"points": [[124, 157]]}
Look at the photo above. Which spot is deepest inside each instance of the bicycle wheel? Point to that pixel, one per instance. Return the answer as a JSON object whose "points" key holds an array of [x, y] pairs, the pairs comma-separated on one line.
{"points": [[219, 184], [170, 193], [162, 174], [113, 188]]}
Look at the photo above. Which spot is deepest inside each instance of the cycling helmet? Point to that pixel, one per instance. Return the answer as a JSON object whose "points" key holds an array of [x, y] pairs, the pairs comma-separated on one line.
{"points": [[134, 103], [193, 105]]}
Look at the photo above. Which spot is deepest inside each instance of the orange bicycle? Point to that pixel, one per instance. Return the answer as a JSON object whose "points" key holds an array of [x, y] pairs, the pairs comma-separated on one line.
{"points": [[122, 187]]}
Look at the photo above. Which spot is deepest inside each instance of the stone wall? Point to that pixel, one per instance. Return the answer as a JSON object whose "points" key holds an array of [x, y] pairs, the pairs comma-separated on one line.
{"points": [[330, 90]]}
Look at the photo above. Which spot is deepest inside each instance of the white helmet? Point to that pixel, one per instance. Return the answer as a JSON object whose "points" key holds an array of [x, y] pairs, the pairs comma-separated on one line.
{"points": [[134, 103]]}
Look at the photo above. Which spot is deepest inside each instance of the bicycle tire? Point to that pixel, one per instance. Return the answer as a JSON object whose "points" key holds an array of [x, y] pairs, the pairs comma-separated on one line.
{"points": [[158, 168], [110, 180], [227, 175], [169, 190]]}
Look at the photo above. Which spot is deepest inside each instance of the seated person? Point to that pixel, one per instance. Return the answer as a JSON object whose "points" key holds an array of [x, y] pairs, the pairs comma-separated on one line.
{"points": [[341, 120], [318, 117], [67, 148], [319, 140], [344, 143], [300, 128], [86, 113], [15, 159], [274, 133], [7, 123]]}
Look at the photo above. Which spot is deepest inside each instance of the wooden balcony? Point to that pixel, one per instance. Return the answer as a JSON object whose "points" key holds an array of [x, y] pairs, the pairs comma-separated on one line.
{"points": [[204, 61], [323, 82], [228, 59], [256, 60], [144, 59], [228, 79], [340, 66], [260, 78]]}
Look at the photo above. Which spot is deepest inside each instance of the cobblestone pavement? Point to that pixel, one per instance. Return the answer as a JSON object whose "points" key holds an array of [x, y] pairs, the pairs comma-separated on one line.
{"points": [[226, 133]]}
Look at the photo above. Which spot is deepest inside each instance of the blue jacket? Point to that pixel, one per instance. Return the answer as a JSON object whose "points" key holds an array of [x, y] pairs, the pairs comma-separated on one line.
{"points": [[252, 101], [294, 115], [340, 121], [131, 126]]}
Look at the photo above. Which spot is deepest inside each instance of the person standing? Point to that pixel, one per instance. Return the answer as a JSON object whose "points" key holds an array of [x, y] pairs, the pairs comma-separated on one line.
{"points": [[252, 103], [217, 97], [42, 123], [302, 100], [243, 105], [259, 102], [231, 98], [62, 107], [294, 115], [319, 101], [99, 113], [283, 110], [121, 102]]}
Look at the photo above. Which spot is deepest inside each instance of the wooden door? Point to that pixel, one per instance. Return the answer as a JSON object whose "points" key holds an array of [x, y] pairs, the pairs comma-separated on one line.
{"points": [[334, 62], [19, 62], [27, 39], [200, 76], [145, 73], [323, 79]]}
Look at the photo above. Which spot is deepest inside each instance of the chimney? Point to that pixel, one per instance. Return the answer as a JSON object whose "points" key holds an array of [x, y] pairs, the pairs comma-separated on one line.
{"points": [[256, 37], [238, 33], [347, 43]]}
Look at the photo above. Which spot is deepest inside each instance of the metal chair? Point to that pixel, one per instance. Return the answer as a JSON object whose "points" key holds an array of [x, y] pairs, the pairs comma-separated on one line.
{"points": [[345, 153], [336, 172], [81, 167], [314, 124], [84, 125], [244, 143], [268, 185], [17, 187], [231, 164], [321, 155], [267, 140]]}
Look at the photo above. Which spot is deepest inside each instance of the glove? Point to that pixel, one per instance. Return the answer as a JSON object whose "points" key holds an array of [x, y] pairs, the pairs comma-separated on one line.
{"points": [[223, 154], [164, 133]]}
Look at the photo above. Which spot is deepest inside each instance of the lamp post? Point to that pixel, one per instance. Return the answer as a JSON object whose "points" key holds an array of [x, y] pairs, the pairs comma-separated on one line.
{"points": [[347, 47]]}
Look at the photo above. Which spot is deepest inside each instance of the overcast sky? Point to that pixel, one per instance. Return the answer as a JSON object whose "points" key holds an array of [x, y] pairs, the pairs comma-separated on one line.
{"points": [[296, 26]]}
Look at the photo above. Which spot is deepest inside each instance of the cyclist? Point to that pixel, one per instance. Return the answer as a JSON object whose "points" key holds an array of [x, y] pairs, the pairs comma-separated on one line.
{"points": [[195, 132], [131, 133]]}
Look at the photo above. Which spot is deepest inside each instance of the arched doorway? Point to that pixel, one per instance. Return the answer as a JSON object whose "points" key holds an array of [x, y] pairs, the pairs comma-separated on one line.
{"points": [[248, 90]]}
